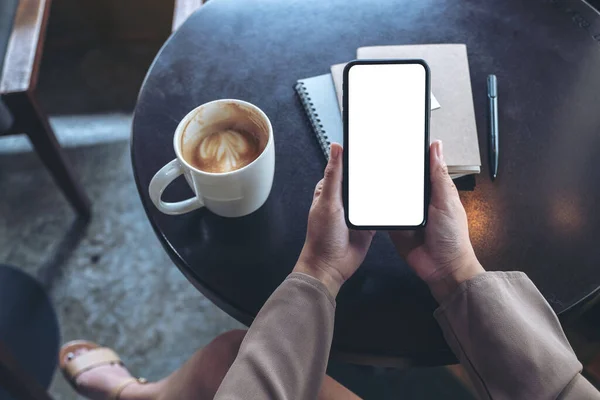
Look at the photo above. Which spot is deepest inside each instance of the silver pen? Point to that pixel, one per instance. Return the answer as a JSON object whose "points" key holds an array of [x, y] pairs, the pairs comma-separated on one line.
{"points": [[492, 90]]}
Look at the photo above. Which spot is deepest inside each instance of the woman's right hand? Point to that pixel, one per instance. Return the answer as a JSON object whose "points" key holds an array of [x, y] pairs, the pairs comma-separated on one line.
{"points": [[441, 254]]}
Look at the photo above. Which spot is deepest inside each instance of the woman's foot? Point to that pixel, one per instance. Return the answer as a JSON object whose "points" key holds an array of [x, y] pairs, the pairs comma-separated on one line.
{"points": [[99, 383]]}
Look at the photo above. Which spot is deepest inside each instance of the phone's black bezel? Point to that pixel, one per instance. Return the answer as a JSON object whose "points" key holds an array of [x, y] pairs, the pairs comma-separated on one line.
{"points": [[426, 177]]}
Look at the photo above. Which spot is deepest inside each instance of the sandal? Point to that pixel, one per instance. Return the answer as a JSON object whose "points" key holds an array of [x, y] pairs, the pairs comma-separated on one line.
{"points": [[94, 357]]}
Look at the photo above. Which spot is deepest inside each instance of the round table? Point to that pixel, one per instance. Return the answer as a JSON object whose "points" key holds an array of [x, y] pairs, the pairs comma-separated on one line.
{"points": [[540, 216]]}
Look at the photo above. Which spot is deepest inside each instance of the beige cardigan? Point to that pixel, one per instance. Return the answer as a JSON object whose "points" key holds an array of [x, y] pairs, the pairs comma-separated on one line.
{"points": [[498, 324]]}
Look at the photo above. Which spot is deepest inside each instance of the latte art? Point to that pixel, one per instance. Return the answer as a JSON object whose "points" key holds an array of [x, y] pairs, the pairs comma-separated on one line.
{"points": [[225, 151]]}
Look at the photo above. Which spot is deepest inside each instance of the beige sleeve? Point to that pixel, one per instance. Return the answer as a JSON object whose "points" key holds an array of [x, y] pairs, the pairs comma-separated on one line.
{"points": [[284, 354], [510, 341]]}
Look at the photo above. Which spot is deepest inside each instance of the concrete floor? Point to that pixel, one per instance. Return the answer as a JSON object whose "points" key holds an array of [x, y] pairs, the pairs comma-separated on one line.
{"points": [[111, 281]]}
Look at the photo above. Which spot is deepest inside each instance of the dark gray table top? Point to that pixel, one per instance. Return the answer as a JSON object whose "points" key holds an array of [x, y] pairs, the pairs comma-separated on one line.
{"points": [[540, 216]]}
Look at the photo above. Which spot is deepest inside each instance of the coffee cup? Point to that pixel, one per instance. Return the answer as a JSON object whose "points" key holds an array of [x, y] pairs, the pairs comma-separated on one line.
{"points": [[225, 150]]}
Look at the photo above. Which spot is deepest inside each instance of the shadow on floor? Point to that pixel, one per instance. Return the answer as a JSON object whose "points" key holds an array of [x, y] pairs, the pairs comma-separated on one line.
{"points": [[51, 268]]}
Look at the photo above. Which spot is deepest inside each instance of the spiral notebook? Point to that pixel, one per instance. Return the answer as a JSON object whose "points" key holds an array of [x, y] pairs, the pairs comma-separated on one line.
{"points": [[319, 99]]}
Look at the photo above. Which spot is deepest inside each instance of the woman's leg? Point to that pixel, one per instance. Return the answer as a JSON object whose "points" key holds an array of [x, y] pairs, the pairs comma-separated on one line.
{"points": [[333, 390], [198, 378], [202, 374]]}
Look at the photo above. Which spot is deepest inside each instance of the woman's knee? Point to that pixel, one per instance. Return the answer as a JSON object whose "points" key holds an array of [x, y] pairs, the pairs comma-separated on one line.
{"points": [[227, 344]]}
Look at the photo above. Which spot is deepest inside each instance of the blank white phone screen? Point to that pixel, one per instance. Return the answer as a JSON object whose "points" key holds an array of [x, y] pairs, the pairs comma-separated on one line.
{"points": [[386, 149]]}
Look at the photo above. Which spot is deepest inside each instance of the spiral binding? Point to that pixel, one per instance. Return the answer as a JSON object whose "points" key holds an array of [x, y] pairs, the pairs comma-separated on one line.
{"points": [[311, 112]]}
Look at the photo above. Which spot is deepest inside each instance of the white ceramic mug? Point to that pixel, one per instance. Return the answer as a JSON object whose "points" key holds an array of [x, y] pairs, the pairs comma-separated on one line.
{"points": [[229, 194]]}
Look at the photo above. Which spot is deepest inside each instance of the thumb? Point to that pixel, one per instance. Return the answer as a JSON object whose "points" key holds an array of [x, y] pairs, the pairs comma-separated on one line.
{"points": [[442, 187], [332, 181]]}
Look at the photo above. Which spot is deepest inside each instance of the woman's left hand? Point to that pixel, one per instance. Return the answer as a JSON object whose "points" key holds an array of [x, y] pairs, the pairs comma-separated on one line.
{"points": [[331, 252]]}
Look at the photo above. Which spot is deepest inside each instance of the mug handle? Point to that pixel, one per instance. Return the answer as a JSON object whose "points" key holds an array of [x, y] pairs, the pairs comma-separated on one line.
{"points": [[159, 183]]}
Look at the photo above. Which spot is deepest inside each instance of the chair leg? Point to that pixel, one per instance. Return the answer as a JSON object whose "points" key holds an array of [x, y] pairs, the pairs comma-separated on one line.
{"points": [[31, 120]]}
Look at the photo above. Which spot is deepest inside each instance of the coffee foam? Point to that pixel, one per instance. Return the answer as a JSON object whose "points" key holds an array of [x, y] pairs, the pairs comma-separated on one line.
{"points": [[226, 151], [223, 138]]}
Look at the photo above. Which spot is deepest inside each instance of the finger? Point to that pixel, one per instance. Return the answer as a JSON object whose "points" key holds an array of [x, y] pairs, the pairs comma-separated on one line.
{"points": [[443, 191], [318, 189], [332, 185]]}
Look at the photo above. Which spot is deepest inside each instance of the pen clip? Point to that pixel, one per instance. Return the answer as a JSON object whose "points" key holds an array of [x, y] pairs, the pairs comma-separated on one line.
{"points": [[492, 86]]}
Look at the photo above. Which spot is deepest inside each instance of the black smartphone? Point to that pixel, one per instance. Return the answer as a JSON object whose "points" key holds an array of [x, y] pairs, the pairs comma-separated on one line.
{"points": [[386, 107]]}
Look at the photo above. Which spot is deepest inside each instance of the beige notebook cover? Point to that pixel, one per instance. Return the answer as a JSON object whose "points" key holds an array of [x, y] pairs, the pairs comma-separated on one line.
{"points": [[454, 122]]}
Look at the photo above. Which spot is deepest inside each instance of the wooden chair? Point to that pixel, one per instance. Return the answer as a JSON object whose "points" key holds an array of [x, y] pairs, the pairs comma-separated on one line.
{"points": [[18, 82], [183, 9]]}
